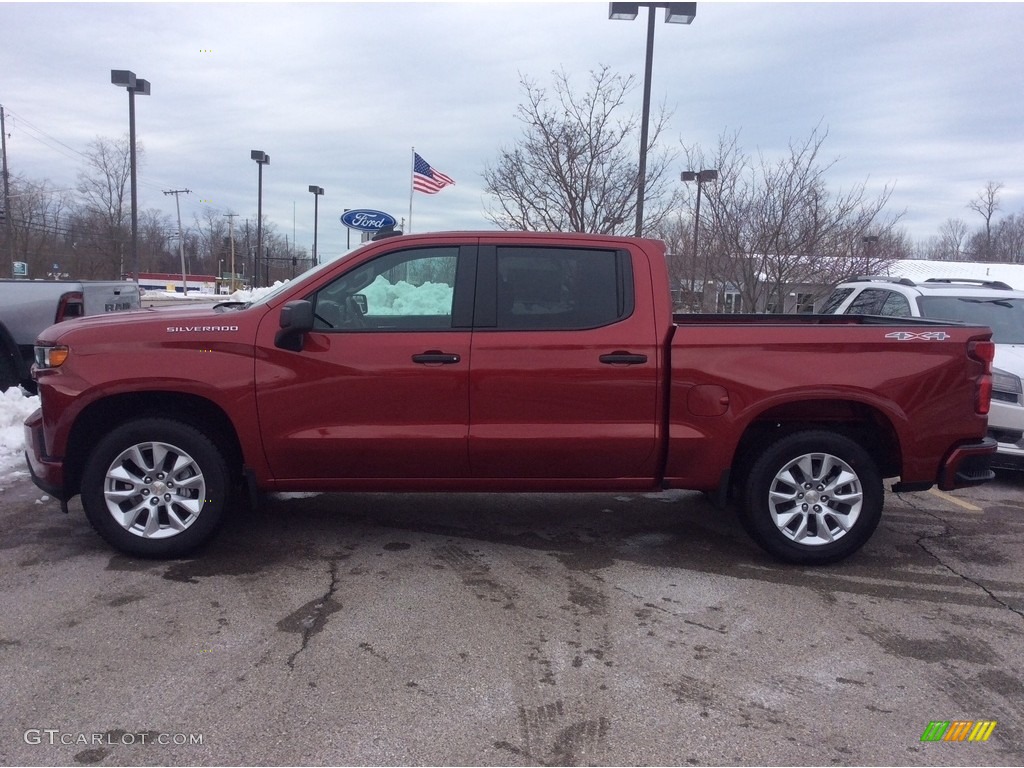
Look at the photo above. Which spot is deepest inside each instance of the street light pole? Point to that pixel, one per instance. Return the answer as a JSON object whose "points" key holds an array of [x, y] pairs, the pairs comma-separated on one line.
{"points": [[317, 191], [127, 79], [869, 243], [261, 158], [641, 181], [700, 177], [675, 13]]}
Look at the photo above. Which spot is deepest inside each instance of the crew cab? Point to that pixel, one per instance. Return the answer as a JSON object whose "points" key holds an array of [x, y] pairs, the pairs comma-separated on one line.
{"points": [[503, 361]]}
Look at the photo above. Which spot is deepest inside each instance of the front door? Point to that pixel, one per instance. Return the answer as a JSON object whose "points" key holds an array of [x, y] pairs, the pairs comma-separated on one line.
{"points": [[381, 386]]}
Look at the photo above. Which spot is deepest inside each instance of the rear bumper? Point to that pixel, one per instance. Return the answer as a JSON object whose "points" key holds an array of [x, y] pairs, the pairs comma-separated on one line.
{"points": [[968, 465], [965, 465], [47, 472]]}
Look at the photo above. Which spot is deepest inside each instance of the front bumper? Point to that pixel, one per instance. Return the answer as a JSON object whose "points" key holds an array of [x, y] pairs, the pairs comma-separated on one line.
{"points": [[47, 472], [1006, 425]]}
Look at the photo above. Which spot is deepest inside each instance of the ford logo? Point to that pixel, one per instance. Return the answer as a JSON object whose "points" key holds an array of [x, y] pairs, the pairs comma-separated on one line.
{"points": [[367, 219]]}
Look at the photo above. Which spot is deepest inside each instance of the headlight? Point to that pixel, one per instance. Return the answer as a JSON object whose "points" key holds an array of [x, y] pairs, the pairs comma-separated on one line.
{"points": [[50, 356], [1006, 386]]}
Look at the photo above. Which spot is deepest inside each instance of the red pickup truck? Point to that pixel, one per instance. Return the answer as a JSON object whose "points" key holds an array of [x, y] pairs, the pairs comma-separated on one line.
{"points": [[501, 361]]}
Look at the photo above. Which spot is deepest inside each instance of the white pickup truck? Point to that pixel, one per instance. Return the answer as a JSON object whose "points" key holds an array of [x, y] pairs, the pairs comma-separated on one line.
{"points": [[29, 306]]}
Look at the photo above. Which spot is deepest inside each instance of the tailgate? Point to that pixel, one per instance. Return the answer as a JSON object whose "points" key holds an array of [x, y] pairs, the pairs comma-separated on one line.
{"points": [[101, 297]]}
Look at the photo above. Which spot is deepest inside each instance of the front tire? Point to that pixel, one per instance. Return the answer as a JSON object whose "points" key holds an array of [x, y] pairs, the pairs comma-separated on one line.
{"points": [[156, 488], [812, 498]]}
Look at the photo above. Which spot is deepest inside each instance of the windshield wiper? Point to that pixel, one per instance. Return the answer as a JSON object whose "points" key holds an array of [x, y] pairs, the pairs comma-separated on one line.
{"points": [[997, 302]]}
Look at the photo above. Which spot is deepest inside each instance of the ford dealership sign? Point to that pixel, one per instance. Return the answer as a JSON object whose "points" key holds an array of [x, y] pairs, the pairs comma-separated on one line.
{"points": [[367, 219]]}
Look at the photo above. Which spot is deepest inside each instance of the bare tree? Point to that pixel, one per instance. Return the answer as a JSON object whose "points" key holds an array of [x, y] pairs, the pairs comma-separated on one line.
{"points": [[771, 224], [37, 225], [986, 204], [676, 231], [102, 225], [158, 242], [1008, 240], [212, 231], [952, 235], [576, 166]]}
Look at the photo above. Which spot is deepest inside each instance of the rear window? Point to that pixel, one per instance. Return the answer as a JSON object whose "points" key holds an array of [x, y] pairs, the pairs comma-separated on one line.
{"points": [[1005, 316], [868, 302], [832, 303]]}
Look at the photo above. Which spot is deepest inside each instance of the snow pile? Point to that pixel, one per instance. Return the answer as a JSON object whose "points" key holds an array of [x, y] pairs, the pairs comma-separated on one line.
{"points": [[242, 294], [15, 406], [402, 298], [251, 294]]}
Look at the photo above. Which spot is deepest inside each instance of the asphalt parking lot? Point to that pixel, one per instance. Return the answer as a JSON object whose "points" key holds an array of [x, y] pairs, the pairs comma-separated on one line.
{"points": [[596, 629]]}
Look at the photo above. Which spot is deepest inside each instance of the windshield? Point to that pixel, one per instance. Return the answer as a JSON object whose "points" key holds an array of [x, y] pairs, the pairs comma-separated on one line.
{"points": [[1005, 316]]}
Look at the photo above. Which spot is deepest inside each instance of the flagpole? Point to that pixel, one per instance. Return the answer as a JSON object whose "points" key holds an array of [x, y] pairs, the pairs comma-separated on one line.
{"points": [[412, 169]]}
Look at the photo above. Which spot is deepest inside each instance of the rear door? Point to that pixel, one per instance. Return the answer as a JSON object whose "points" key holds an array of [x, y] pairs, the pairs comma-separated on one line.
{"points": [[564, 381]]}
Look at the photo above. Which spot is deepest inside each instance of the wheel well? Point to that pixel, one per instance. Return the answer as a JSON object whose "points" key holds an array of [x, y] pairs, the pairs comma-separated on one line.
{"points": [[861, 423], [102, 416]]}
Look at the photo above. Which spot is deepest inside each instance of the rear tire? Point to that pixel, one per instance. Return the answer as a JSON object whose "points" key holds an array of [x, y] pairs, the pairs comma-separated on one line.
{"points": [[813, 497], [156, 488]]}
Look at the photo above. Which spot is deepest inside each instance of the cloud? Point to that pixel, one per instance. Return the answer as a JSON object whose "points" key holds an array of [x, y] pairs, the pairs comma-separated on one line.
{"points": [[922, 95]]}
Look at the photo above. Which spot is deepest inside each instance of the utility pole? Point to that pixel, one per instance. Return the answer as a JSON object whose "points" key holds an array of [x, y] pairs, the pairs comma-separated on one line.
{"points": [[231, 230], [8, 220], [181, 237], [248, 257]]}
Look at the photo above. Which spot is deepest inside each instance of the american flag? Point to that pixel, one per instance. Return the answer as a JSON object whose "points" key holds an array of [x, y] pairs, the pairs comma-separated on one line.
{"points": [[427, 179]]}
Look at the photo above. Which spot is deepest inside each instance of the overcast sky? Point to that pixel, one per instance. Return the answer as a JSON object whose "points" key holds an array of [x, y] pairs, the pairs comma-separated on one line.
{"points": [[924, 96]]}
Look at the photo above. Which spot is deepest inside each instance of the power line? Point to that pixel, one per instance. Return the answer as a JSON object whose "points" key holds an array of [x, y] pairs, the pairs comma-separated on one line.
{"points": [[30, 127], [37, 134]]}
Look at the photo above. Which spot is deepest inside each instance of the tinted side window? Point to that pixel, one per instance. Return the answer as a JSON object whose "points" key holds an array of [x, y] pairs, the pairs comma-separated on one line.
{"points": [[868, 302], [895, 305], [832, 303], [404, 290], [561, 288]]}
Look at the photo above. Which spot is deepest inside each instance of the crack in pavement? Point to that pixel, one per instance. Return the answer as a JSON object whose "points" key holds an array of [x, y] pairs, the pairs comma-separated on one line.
{"points": [[947, 531], [312, 617]]}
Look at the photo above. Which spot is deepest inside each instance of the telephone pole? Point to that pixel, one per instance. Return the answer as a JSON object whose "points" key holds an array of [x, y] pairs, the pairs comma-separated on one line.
{"points": [[231, 230], [8, 219], [181, 237]]}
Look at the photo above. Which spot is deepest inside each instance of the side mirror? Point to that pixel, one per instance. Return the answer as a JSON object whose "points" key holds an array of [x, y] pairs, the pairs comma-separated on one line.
{"points": [[296, 320]]}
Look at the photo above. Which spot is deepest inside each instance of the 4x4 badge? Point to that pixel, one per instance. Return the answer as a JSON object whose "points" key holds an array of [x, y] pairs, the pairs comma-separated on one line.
{"points": [[925, 335]]}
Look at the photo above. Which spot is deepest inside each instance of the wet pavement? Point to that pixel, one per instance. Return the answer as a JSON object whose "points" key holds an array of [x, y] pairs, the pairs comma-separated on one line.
{"points": [[593, 629]]}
